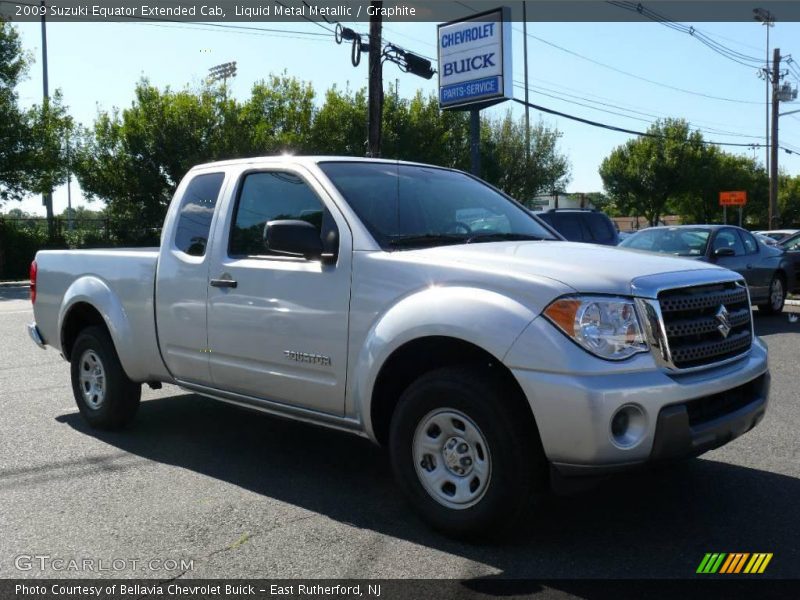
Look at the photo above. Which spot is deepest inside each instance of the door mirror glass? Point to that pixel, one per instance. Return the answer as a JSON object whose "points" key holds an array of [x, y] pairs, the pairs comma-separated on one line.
{"points": [[293, 238]]}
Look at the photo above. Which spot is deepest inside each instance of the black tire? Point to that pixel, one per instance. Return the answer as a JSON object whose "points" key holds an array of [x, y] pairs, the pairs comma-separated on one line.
{"points": [[113, 403], [518, 466], [774, 307]]}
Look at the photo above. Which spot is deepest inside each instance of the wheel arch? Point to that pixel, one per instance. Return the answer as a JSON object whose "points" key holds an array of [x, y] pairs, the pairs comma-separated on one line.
{"points": [[90, 301], [421, 355]]}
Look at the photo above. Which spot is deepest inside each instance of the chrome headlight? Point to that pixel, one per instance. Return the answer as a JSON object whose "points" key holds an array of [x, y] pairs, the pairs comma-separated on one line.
{"points": [[605, 326]]}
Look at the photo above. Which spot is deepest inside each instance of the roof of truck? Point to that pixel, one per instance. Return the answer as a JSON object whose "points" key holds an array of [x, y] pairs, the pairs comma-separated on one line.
{"points": [[302, 160]]}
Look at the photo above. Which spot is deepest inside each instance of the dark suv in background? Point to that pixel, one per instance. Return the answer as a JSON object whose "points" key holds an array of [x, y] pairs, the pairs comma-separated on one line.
{"points": [[582, 225]]}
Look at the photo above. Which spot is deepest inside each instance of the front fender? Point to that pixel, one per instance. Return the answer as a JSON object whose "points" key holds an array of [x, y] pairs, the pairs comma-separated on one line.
{"points": [[95, 292], [481, 317]]}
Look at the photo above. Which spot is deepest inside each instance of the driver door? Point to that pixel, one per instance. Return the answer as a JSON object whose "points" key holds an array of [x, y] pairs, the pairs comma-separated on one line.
{"points": [[278, 325], [739, 262]]}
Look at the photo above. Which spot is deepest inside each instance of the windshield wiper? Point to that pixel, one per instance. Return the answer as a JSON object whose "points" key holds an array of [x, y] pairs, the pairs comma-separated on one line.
{"points": [[503, 237], [428, 239]]}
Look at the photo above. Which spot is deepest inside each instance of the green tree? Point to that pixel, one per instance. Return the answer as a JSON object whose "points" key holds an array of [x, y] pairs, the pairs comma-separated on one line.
{"points": [[340, 125], [789, 200], [504, 162], [279, 113], [135, 158], [13, 129], [645, 175], [32, 141], [717, 171]]}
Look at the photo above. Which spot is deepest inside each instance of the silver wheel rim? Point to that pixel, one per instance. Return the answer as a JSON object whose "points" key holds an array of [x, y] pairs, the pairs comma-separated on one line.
{"points": [[92, 379], [776, 293], [452, 458]]}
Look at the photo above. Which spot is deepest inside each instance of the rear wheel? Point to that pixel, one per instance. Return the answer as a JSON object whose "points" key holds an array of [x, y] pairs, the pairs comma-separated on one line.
{"points": [[464, 452], [105, 396], [776, 298]]}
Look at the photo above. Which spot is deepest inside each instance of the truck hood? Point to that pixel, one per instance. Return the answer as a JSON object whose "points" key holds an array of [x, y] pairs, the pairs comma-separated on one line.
{"points": [[586, 268]]}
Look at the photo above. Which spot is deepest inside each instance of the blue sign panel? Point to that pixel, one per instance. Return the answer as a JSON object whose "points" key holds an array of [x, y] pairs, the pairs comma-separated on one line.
{"points": [[469, 90]]}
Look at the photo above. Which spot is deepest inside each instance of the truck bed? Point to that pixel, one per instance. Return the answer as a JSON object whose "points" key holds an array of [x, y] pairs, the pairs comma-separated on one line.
{"points": [[122, 280]]}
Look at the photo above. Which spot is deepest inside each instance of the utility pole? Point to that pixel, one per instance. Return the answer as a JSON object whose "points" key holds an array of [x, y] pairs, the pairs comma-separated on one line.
{"points": [[47, 197], [767, 19], [475, 141], [69, 180], [525, 59], [773, 162], [375, 96]]}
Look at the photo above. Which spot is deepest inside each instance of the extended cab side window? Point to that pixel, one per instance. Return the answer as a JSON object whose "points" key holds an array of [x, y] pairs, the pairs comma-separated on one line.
{"points": [[275, 196], [196, 212]]}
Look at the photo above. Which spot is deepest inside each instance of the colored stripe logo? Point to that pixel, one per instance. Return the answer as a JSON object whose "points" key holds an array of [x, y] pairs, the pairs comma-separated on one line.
{"points": [[734, 562]]}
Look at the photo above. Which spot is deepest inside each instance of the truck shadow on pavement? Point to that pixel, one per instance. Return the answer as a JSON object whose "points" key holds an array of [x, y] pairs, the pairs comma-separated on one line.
{"points": [[645, 524]]}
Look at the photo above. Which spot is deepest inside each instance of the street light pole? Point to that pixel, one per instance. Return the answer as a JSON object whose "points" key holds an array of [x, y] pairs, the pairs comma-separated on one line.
{"points": [[222, 72]]}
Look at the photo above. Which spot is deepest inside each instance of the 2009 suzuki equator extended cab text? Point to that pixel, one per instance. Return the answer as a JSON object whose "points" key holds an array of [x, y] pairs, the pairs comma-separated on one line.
{"points": [[421, 308]]}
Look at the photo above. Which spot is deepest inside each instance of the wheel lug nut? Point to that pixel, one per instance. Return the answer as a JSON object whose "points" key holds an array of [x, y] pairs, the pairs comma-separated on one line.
{"points": [[462, 447], [466, 461]]}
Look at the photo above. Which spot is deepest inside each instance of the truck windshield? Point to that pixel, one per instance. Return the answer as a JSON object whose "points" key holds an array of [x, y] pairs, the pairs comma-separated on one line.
{"points": [[410, 206]]}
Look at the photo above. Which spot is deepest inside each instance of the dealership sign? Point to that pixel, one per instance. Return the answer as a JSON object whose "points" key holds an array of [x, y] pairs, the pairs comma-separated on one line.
{"points": [[475, 60]]}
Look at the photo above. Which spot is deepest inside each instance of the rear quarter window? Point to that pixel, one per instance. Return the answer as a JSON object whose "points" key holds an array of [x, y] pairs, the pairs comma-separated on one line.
{"points": [[196, 211]]}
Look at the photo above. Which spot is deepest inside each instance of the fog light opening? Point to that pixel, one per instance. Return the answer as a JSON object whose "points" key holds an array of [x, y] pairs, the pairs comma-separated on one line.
{"points": [[628, 426]]}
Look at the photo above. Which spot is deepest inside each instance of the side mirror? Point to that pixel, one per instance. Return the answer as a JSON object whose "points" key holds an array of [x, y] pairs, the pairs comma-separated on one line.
{"points": [[295, 238], [724, 252]]}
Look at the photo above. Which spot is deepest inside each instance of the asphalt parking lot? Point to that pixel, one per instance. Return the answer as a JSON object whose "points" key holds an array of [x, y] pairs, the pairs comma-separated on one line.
{"points": [[245, 495]]}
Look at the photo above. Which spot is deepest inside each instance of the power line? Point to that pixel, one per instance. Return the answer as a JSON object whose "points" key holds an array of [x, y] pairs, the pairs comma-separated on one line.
{"points": [[729, 53], [626, 115], [613, 103], [630, 131], [317, 23], [208, 26], [651, 81], [626, 73]]}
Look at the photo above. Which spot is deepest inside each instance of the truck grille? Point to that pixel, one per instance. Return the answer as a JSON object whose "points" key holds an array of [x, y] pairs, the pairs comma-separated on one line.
{"points": [[696, 318]]}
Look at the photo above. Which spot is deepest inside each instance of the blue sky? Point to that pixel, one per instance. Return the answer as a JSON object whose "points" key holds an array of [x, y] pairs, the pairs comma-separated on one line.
{"points": [[96, 65]]}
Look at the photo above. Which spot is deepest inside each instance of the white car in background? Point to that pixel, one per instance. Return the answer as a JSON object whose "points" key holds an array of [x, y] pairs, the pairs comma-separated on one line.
{"points": [[777, 234]]}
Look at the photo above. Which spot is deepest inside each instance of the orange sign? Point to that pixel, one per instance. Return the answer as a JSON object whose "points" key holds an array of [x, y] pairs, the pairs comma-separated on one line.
{"points": [[732, 198]]}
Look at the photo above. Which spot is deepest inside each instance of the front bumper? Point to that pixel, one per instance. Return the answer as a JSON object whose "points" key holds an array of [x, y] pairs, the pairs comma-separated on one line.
{"points": [[684, 414]]}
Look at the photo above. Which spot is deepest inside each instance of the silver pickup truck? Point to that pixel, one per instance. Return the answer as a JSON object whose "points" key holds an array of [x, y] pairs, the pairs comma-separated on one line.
{"points": [[421, 308]]}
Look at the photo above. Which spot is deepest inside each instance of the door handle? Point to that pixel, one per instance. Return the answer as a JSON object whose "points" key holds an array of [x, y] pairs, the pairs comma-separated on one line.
{"points": [[223, 283], [749, 266]]}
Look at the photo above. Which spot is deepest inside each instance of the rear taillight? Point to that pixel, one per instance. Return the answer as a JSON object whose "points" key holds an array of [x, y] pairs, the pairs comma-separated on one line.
{"points": [[33, 281]]}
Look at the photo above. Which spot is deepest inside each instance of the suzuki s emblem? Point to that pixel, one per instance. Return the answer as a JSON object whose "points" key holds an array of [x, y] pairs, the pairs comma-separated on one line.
{"points": [[723, 317]]}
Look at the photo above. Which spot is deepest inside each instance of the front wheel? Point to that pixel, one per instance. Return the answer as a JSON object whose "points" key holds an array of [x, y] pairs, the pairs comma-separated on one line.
{"points": [[777, 296], [465, 453], [105, 396]]}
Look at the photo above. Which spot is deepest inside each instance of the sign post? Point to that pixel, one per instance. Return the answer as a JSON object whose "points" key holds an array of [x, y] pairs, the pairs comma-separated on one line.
{"points": [[475, 67], [726, 199]]}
